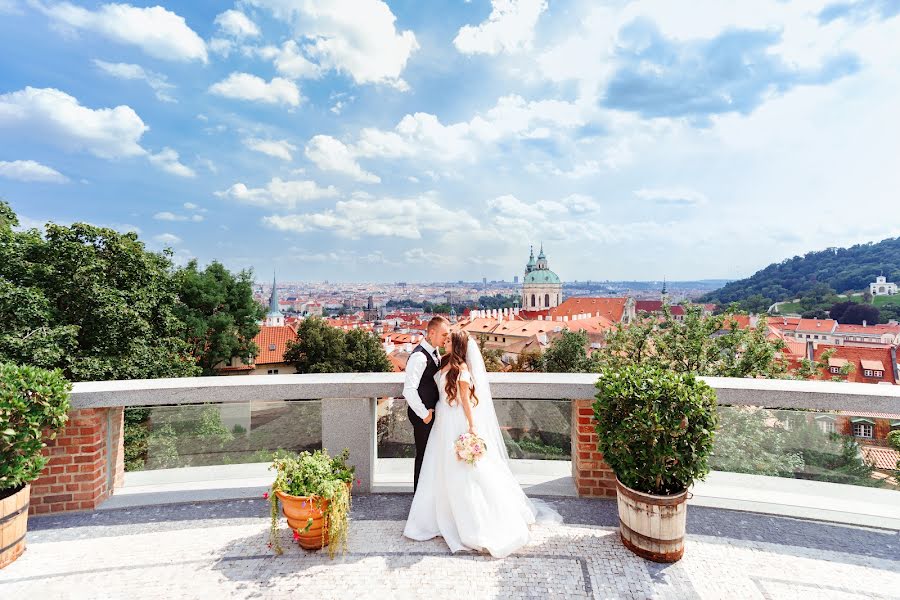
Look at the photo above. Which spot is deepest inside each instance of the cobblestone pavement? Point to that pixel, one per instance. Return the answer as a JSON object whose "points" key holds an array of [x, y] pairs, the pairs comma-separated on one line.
{"points": [[218, 550]]}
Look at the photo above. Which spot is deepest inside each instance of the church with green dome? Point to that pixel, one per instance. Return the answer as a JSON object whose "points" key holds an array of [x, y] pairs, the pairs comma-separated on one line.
{"points": [[542, 288]]}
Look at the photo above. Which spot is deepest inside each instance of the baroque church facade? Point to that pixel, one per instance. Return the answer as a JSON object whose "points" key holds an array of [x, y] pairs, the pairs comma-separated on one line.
{"points": [[541, 287]]}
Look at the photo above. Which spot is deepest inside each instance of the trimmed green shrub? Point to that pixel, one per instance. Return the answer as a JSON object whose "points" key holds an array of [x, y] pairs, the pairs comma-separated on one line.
{"points": [[655, 427], [31, 400]]}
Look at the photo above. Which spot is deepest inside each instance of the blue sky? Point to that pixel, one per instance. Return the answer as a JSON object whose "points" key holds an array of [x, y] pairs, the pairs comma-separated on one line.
{"points": [[381, 141]]}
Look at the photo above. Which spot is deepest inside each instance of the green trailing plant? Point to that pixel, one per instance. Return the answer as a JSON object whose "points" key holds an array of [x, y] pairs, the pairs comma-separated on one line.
{"points": [[32, 401], [319, 477], [894, 441], [655, 426]]}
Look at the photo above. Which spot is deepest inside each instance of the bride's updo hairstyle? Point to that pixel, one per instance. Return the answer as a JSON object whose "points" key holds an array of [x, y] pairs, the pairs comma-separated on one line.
{"points": [[459, 345]]}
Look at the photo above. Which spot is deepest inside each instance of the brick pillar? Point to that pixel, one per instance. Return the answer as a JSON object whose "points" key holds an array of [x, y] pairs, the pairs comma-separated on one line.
{"points": [[86, 462], [593, 477]]}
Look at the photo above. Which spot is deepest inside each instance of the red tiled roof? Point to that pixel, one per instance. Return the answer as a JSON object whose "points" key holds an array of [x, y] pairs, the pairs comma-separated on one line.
{"points": [[881, 457], [611, 308], [273, 336], [816, 325], [648, 305], [398, 361], [858, 356], [869, 329]]}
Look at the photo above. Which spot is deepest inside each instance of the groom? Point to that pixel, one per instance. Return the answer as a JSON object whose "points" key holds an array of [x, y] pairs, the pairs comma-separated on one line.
{"points": [[420, 388]]}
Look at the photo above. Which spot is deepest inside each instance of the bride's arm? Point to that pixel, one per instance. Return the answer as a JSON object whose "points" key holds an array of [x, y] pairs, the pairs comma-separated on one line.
{"points": [[464, 399]]}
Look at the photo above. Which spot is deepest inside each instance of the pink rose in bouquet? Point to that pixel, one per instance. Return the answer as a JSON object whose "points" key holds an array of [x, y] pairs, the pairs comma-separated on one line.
{"points": [[470, 448]]}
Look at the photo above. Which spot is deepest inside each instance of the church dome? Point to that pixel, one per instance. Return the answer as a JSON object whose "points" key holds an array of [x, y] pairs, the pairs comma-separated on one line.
{"points": [[542, 276]]}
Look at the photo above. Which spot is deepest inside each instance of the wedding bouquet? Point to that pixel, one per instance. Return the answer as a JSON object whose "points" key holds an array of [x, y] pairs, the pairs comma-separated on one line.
{"points": [[470, 448]]}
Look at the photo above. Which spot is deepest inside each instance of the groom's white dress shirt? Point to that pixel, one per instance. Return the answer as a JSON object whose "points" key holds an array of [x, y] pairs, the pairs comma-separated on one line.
{"points": [[415, 366]]}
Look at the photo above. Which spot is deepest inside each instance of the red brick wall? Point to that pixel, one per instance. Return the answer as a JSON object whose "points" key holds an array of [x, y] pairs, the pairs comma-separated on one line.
{"points": [[593, 477], [78, 475]]}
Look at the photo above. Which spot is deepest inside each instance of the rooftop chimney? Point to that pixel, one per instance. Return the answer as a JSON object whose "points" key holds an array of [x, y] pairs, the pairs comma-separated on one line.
{"points": [[864, 322]]}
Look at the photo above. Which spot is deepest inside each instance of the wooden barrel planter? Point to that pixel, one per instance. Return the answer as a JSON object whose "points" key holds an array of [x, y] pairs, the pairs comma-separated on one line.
{"points": [[298, 510], [13, 523], [651, 526]]}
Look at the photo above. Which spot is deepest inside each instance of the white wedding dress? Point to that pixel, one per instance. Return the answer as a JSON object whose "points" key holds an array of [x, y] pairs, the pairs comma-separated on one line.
{"points": [[477, 507]]}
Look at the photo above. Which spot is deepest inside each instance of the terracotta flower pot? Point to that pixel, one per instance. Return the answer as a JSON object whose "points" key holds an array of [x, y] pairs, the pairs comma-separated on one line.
{"points": [[298, 510], [13, 524], [652, 526]]}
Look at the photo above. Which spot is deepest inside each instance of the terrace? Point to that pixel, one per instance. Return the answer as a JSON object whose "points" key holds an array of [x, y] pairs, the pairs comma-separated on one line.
{"points": [[192, 522]]}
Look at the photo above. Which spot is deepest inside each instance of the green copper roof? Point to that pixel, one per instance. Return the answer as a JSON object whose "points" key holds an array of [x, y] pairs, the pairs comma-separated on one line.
{"points": [[542, 276]]}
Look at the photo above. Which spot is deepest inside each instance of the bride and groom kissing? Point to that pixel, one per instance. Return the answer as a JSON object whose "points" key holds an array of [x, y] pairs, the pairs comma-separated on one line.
{"points": [[476, 507]]}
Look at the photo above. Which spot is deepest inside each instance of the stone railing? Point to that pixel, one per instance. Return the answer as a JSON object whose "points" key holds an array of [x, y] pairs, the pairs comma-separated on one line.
{"points": [[86, 460]]}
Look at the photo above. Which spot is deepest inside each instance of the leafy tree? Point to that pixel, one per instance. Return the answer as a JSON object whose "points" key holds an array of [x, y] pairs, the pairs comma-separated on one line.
{"points": [[747, 442], [858, 313], [526, 362], [894, 441], [321, 348], [365, 353], [219, 313], [90, 301], [567, 353], [837, 311]]}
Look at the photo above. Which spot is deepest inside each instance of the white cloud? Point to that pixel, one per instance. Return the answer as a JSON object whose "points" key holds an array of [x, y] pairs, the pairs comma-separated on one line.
{"points": [[10, 7], [167, 160], [289, 61], [167, 239], [276, 148], [330, 154], [381, 217], [278, 193], [356, 37], [509, 28], [54, 116], [243, 86], [158, 82], [208, 164], [170, 216], [29, 170], [236, 24], [678, 197], [155, 30]]}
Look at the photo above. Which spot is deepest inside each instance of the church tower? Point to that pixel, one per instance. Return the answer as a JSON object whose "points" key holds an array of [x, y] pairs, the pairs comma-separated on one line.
{"points": [[541, 288], [274, 318]]}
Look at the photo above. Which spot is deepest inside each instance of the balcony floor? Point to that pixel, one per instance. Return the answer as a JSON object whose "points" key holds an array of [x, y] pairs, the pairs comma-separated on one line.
{"points": [[218, 550]]}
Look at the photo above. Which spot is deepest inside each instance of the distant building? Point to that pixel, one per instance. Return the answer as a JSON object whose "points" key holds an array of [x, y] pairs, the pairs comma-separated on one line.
{"points": [[541, 287], [882, 287], [515, 279], [274, 318]]}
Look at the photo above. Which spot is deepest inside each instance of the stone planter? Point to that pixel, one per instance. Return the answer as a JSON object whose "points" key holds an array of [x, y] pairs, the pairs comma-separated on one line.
{"points": [[651, 526], [13, 524]]}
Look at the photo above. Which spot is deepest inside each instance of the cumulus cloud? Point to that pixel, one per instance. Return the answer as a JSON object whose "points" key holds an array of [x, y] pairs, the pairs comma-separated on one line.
{"points": [[733, 72], [170, 216], [168, 239], [156, 81], [243, 86], [54, 116], [290, 61], [275, 148], [381, 217], [236, 24], [158, 32], [330, 154], [509, 28], [356, 37], [29, 170], [167, 160], [278, 193]]}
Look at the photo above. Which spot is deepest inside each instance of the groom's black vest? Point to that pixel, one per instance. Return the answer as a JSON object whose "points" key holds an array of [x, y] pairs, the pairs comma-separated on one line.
{"points": [[428, 389]]}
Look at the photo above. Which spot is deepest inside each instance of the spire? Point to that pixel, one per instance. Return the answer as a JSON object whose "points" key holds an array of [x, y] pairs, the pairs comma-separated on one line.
{"points": [[541, 255], [273, 299]]}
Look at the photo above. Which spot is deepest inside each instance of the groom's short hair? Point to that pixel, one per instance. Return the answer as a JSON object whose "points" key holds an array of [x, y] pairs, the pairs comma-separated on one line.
{"points": [[437, 321]]}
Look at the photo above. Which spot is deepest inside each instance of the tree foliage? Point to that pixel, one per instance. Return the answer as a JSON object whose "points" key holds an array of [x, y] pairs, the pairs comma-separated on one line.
{"points": [[567, 354], [219, 313], [321, 348], [841, 269]]}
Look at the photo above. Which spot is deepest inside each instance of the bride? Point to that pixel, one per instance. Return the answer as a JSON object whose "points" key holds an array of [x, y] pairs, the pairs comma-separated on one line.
{"points": [[473, 507]]}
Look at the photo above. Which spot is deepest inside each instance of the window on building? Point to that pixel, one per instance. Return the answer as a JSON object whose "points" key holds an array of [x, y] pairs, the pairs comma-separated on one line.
{"points": [[879, 373], [272, 347], [867, 372], [815, 337], [547, 300], [272, 371], [826, 426], [533, 301], [835, 370], [862, 430]]}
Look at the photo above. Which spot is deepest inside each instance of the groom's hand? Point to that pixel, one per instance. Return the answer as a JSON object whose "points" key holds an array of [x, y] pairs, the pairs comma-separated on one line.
{"points": [[429, 416]]}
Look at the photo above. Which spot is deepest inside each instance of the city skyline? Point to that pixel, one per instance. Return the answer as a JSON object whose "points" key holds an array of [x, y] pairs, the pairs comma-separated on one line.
{"points": [[637, 140]]}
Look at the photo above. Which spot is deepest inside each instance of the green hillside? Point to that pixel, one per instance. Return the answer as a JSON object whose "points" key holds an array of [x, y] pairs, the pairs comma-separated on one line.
{"points": [[841, 269]]}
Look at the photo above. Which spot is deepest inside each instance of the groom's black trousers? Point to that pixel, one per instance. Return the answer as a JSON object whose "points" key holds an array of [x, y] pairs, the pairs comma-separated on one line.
{"points": [[421, 431]]}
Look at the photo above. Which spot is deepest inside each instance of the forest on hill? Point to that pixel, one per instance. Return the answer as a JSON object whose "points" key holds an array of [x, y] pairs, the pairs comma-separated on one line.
{"points": [[814, 277]]}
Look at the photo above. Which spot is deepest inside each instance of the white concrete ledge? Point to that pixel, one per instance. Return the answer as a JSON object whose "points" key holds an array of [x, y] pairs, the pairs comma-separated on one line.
{"points": [[771, 393]]}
